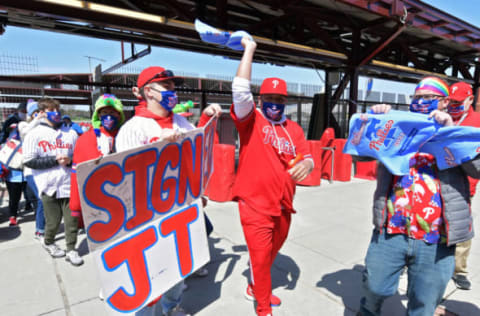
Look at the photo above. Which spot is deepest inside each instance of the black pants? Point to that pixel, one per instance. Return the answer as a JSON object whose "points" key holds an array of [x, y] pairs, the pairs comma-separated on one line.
{"points": [[14, 194], [31, 200]]}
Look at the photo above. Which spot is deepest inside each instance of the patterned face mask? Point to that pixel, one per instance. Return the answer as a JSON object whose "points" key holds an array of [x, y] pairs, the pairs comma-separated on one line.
{"points": [[54, 117], [456, 110], [274, 111], [169, 100], [109, 122], [423, 106]]}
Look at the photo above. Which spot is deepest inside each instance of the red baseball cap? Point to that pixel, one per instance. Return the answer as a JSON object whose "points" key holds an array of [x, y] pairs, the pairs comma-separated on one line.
{"points": [[460, 91], [274, 86], [156, 74]]}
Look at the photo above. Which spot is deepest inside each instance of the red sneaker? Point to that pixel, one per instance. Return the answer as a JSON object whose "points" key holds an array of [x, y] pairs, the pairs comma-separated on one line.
{"points": [[13, 221], [274, 300]]}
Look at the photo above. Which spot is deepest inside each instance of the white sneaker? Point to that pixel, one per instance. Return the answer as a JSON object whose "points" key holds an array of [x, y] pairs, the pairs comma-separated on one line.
{"points": [[177, 311], [54, 250], [74, 258]]}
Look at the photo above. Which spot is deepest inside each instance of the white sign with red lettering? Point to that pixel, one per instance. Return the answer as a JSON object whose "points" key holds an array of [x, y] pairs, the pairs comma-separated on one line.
{"points": [[143, 216]]}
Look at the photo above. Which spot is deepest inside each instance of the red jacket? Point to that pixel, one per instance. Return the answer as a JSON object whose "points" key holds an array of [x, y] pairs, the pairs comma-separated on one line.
{"points": [[262, 180], [85, 149], [472, 119]]}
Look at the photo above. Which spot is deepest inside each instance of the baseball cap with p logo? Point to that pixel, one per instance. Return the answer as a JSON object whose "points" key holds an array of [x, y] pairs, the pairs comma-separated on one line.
{"points": [[156, 74], [274, 86], [460, 91]]}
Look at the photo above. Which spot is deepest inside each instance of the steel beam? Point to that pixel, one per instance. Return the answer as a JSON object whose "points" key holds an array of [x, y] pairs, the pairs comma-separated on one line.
{"points": [[476, 85], [464, 70], [382, 43], [324, 36], [222, 14]]}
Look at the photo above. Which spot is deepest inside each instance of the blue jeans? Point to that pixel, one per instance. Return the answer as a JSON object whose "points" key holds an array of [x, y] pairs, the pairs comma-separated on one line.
{"points": [[430, 267], [169, 300], [37, 203]]}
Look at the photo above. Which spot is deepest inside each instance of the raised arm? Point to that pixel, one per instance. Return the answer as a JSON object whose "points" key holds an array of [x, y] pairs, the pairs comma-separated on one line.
{"points": [[242, 97]]}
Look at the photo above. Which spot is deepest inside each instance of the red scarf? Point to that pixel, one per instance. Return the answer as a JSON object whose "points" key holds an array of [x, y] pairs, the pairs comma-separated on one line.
{"points": [[164, 122], [111, 133]]}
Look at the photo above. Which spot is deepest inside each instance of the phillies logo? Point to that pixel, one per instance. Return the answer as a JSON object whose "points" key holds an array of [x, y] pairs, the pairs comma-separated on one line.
{"points": [[454, 89], [108, 122], [280, 143], [172, 101], [275, 83]]}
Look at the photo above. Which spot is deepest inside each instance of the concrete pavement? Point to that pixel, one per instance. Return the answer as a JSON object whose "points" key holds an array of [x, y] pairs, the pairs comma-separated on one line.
{"points": [[318, 271]]}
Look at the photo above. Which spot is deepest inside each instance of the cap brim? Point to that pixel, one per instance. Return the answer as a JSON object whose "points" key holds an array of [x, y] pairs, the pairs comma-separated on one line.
{"points": [[459, 99], [176, 80]]}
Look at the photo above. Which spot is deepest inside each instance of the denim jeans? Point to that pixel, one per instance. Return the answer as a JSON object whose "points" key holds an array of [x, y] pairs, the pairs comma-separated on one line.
{"points": [[37, 204], [430, 267], [169, 300]]}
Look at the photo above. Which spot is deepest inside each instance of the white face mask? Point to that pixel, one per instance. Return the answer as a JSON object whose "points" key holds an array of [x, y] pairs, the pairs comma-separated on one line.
{"points": [[22, 116]]}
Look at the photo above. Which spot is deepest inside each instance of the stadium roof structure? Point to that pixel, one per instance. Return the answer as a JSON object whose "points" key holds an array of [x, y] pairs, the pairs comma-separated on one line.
{"points": [[402, 40]]}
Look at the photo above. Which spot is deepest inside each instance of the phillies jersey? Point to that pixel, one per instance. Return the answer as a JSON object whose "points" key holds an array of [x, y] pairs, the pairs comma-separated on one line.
{"points": [[139, 131], [262, 180], [45, 141]]}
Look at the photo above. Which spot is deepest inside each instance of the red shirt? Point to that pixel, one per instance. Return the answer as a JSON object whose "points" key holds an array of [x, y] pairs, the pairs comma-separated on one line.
{"points": [[472, 119], [415, 203], [262, 179], [86, 148]]}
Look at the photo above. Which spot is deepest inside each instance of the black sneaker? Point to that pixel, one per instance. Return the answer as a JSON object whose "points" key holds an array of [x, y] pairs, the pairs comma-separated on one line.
{"points": [[461, 282]]}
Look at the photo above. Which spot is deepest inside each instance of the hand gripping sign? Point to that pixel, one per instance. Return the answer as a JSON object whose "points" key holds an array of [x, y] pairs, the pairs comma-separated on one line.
{"points": [[143, 216]]}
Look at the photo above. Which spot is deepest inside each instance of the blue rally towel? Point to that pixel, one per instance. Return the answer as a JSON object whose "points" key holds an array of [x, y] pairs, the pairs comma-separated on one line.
{"points": [[453, 145], [211, 35], [391, 138]]}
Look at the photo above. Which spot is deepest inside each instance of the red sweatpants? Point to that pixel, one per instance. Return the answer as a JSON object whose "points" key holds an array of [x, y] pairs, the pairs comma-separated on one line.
{"points": [[265, 236]]}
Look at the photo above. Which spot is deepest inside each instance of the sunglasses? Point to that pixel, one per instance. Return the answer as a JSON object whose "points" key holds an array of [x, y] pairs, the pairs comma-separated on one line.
{"points": [[426, 97], [163, 74]]}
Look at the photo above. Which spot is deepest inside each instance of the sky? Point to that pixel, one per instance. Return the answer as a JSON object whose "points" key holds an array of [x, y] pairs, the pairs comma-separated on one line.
{"points": [[62, 53]]}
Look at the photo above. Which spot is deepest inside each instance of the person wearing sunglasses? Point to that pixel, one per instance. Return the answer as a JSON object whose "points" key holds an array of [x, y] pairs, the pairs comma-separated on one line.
{"points": [[154, 121], [461, 110], [418, 219]]}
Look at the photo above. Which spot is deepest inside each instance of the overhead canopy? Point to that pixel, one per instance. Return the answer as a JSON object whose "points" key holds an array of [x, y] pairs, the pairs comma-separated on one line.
{"points": [[395, 39]]}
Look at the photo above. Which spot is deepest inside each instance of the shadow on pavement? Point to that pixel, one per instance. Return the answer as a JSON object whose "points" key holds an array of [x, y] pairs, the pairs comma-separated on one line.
{"points": [[347, 284], [203, 291], [285, 272], [461, 308], [9, 233]]}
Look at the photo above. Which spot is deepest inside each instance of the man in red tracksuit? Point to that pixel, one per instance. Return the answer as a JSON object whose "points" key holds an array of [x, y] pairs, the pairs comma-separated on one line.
{"points": [[462, 113], [274, 155]]}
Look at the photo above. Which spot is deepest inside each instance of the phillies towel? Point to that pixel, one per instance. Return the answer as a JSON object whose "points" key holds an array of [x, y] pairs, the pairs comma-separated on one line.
{"points": [[391, 138], [453, 145], [211, 35]]}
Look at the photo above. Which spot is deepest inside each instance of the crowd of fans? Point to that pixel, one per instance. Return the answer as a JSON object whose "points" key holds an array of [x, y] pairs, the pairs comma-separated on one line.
{"points": [[41, 149]]}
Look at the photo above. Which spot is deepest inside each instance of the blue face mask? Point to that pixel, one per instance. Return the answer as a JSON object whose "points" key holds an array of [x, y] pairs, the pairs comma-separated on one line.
{"points": [[423, 106], [456, 111], [54, 117], [273, 111], [169, 100], [109, 122]]}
